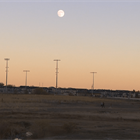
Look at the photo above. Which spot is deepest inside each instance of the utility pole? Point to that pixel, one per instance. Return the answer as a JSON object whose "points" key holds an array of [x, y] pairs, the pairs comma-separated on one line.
{"points": [[26, 78], [93, 82], [56, 71], [6, 71]]}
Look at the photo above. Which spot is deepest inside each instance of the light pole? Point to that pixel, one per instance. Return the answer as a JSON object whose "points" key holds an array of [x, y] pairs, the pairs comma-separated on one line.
{"points": [[26, 77], [6, 71], [93, 82], [56, 71]]}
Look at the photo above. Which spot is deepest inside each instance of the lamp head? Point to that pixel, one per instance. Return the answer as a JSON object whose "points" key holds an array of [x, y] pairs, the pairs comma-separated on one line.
{"points": [[6, 59], [56, 60]]}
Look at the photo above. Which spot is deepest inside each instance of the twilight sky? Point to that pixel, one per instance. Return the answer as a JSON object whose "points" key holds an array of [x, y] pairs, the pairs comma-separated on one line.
{"points": [[94, 35]]}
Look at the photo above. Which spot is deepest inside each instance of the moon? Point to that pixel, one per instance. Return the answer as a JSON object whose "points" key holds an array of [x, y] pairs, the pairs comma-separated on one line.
{"points": [[60, 13]]}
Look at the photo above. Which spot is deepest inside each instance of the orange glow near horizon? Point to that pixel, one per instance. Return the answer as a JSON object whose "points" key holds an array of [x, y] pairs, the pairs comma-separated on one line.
{"points": [[101, 37]]}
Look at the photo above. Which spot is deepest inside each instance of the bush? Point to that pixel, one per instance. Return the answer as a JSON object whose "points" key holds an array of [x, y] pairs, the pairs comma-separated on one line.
{"points": [[1, 85], [9, 130], [39, 91]]}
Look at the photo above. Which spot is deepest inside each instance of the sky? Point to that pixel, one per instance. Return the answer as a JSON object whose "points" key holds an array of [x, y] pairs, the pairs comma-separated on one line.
{"points": [[100, 36]]}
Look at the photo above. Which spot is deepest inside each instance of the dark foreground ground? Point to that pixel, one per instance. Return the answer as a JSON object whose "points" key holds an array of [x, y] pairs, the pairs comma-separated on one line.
{"points": [[68, 117]]}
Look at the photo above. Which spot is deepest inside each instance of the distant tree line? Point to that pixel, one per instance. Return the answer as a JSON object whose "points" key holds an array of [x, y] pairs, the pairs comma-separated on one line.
{"points": [[9, 86], [1, 85]]}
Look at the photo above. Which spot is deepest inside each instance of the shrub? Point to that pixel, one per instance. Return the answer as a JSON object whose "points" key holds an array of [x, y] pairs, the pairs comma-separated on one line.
{"points": [[39, 91], [1, 85], [9, 130]]}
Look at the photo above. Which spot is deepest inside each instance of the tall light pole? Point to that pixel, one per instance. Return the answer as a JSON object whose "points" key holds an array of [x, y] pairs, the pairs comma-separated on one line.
{"points": [[93, 82], [6, 71], [26, 78], [56, 71]]}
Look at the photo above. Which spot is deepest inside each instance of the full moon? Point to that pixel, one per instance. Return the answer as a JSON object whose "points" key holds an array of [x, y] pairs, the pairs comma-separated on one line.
{"points": [[60, 13]]}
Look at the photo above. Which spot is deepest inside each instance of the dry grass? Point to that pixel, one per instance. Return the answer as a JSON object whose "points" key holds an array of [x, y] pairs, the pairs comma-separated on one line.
{"points": [[15, 98], [39, 128], [47, 116], [9, 129]]}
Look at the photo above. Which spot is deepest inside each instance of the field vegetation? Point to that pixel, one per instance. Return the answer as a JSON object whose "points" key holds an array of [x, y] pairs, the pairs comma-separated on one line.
{"points": [[34, 116]]}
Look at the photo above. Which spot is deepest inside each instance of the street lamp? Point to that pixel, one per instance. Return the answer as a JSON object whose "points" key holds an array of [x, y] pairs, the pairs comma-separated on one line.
{"points": [[6, 71], [56, 71], [93, 82], [26, 78]]}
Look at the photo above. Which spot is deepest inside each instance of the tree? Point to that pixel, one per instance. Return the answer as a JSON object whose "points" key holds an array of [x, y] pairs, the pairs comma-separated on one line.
{"points": [[10, 86], [1, 85]]}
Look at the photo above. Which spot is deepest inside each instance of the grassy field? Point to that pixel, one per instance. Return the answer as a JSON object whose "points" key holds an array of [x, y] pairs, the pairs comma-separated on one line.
{"points": [[67, 117]]}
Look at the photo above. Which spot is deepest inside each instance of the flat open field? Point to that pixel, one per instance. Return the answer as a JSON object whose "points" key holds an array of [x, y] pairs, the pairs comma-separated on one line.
{"points": [[68, 117]]}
